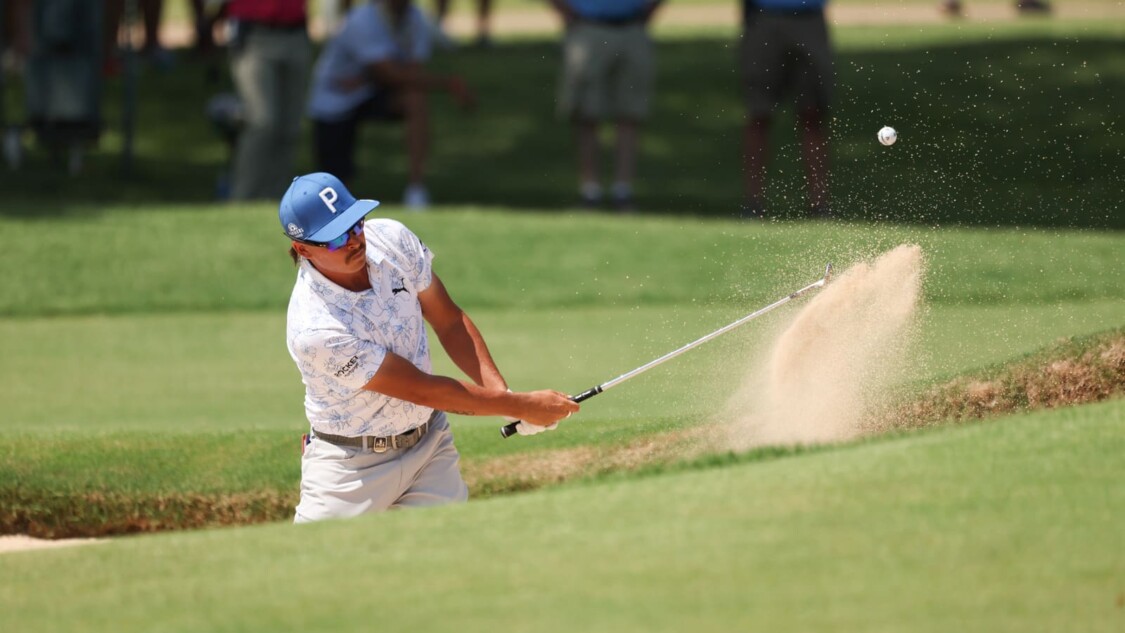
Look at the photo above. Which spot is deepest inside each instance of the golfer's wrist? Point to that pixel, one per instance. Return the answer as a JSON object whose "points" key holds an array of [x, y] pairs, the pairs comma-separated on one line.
{"points": [[510, 396]]}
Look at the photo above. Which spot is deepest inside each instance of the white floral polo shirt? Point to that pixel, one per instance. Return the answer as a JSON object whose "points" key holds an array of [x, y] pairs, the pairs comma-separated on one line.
{"points": [[339, 338]]}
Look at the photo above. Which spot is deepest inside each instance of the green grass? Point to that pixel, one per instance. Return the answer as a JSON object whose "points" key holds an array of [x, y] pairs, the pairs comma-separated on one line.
{"points": [[1007, 526], [183, 258]]}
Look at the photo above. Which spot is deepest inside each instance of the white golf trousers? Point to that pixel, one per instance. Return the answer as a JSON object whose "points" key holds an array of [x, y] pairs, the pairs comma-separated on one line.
{"points": [[340, 481]]}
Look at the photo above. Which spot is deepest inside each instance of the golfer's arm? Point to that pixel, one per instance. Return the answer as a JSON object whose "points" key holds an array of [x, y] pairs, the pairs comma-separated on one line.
{"points": [[399, 378], [459, 337]]}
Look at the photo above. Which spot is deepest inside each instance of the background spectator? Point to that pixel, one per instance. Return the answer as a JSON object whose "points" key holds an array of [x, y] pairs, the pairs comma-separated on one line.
{"points": [[484, 15], [270, 60], [206, 15], [15, 20], [374, 69], [63, 81], [608, 70], [151, 13], [785, 51], [954, 9]]}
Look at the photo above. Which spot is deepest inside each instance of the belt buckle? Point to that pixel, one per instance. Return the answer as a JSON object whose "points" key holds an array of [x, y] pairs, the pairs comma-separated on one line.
{"points": [[379, 445]]}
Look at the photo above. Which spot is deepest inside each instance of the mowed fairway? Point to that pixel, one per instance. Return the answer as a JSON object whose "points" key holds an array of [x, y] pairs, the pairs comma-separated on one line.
{"points": [[1006, 526]]}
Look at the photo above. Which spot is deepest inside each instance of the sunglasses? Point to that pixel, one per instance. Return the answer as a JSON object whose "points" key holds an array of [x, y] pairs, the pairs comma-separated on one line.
{"points": [[339, 242]]}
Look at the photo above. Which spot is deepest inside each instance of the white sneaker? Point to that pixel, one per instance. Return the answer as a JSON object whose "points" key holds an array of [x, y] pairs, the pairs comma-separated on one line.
{"points": [[416, 198]]}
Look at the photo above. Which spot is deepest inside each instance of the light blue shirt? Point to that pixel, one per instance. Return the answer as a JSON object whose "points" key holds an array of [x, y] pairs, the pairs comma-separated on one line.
{"points": [[787, 5], [609, 9], [367, 37]]}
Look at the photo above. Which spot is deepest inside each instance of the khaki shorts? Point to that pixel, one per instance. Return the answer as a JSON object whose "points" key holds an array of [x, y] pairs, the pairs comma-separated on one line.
{"points": [[786, 55], [607, 73], [339, 481]]}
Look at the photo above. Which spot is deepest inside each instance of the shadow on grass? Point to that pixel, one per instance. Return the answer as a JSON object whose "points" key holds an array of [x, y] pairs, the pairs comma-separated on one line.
{"points": [[1008, 132]]}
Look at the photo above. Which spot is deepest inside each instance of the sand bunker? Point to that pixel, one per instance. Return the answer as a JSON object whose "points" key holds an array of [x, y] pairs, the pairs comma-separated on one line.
{"points": [[835, 363], [19, 543]]}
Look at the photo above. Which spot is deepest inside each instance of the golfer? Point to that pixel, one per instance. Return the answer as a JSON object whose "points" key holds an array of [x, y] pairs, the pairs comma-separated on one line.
{"points": [[379, 436]]}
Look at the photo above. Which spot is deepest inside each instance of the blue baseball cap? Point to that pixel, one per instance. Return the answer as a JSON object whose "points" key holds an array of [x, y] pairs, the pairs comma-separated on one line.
{"points": [[319, 208]]}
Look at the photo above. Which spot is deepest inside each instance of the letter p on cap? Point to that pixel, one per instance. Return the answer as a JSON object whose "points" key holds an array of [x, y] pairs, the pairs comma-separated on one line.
{"points": [[329, 196]]}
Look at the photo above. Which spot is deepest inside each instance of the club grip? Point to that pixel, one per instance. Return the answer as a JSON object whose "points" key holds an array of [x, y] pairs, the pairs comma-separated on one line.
{"points": [[509, 429]]}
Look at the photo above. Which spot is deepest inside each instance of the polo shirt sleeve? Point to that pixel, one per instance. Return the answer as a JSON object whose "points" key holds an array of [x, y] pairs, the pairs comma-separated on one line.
{"points": [[342, 362], [405, 251], [424, 264]]}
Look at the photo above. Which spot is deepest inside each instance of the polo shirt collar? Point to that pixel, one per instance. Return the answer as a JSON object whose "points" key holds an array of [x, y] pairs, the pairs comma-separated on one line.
{"points": [[329, 289]]}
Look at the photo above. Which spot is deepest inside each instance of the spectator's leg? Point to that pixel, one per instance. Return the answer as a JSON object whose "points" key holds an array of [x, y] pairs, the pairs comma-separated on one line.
{"points": [[814, 153], [632, 82], [441, 9], [271, 73], [416, 109], [294, 68], [151, 12], [334, 147], [952, 8], [256, 146], [755, 156], [762, 61], [204, 27], [813, 83], [111, 62], [484, 28], [586, 136], [17, 27], [625, 163], [1033, 6]]}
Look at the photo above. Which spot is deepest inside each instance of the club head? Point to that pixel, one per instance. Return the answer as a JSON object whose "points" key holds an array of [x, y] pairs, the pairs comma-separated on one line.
{"points": [[824, 280]]}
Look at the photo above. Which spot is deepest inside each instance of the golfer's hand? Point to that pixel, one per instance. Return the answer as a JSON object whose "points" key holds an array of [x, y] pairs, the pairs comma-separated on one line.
{"points": [[543, 409], [523, 428]]}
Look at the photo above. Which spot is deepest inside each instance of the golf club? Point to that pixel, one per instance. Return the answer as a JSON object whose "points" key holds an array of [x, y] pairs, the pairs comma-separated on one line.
{"points": [[510, 429]]}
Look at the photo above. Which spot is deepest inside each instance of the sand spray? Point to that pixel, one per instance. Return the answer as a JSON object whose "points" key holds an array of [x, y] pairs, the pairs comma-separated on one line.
{"points": [[836, 363]]}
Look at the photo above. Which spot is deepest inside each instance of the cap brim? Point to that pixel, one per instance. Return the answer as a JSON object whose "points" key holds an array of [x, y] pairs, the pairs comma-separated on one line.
{"points": [[343, 221]]}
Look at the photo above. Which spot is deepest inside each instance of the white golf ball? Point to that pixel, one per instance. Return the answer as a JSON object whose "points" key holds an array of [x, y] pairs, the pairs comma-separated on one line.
{"points": [[887, 135]]}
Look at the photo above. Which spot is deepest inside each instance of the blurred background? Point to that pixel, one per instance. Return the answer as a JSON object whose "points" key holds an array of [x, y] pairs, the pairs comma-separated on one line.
{"points": [[1008, 113]]}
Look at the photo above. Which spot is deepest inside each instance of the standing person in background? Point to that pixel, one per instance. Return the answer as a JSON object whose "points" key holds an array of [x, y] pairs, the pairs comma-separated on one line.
{"points": [[356, 327], [15, 36], [151, 11], [484, 14], [270, 60], [374, 68], [953, 8], [207, 13], [608, 69], [785, 49]]}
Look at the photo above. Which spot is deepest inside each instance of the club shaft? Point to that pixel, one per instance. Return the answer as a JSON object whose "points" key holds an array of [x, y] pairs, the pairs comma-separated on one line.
{"points": [[510, 429], [696, 343]]}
